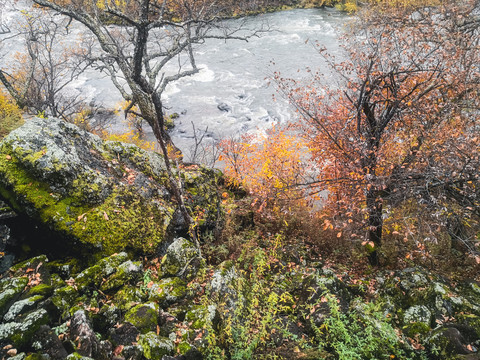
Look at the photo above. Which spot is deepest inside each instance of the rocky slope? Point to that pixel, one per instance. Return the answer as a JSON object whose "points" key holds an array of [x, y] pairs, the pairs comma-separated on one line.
{"points": [[132, 288]]}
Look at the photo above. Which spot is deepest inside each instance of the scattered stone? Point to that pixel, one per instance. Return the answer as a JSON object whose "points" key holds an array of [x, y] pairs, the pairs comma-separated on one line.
{"points": [[21, 307], [155, 347], [86, 340], [144, 317], [125, 334], [48, 343], [127, 272], [10, 290], [20, 333], [168, 291], [178, 259], [417, 320]]}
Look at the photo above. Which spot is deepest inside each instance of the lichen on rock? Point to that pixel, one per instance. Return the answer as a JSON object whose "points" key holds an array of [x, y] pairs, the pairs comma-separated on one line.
{"points": [[106, 196]]}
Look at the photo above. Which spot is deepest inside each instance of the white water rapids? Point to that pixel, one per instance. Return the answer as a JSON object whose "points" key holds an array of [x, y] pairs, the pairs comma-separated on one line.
{"points": [[231, 94]]}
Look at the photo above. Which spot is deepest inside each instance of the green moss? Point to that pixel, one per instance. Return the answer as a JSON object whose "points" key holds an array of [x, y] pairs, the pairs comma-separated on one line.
{"points": [[41, 289], [64, 299], [155, 347], [91, 276], [64, 268], [30, 263], [168, 291], [36, 356], [144, 317], [77, 356], [127, 297], [416, 328], [111, 226], [183, 347]]}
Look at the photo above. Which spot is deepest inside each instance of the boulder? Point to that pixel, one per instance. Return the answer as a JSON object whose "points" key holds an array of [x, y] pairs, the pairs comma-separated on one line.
{"points": [[155, 347], [99, 195], [144, 317], [181, 259]]}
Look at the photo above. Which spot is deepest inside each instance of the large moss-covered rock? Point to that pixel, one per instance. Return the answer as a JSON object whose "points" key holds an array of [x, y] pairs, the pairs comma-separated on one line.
{"points": [[108, 196], [10, 290]]}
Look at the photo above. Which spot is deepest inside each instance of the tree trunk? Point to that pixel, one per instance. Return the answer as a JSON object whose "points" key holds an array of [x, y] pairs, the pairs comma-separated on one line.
{"points": [[375, 224]]}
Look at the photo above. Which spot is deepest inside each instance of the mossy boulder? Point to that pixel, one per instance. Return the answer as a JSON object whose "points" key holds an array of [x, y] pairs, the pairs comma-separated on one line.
{"points": [[10, 290], [417, 320], [155, 347], [180, 259], [415, 286], [168, 291], [128, 296], [144, 317], [19, 332], [102, 196], [64, 299], [94, 275], [127, 272], [21, 307]]}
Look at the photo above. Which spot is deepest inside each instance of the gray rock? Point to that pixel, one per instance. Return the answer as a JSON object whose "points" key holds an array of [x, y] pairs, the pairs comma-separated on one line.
{"points": [[178, 258], [10, 290], [94, 191], [48, 343], [20, 333], [94, 275], [127, 272], [168, 291], [155, 347], [81, 331], [144, 317], [418, 313], [224, 107], [20, 307], [222, 285]]}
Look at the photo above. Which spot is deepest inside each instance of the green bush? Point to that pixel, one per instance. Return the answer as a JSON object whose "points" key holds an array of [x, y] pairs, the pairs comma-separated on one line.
{"points": [[365, 332]]}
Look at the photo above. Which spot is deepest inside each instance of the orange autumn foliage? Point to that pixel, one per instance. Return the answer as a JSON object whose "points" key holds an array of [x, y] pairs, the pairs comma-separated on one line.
{"points": [[401, 125], [269, 166]]}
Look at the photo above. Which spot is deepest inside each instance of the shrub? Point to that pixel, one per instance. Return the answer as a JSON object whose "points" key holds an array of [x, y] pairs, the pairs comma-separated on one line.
{"points": [[10, 116]]}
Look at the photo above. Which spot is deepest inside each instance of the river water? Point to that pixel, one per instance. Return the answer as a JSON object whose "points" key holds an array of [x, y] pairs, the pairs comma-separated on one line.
{"points": [[232, 94]]}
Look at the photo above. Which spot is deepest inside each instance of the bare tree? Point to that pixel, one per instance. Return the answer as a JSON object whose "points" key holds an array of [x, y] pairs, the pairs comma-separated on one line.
{"points": [[39, 79], [148, 40]]}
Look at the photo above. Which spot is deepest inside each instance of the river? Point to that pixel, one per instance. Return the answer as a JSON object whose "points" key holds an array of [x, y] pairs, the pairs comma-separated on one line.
{"points": [[232, 94]]}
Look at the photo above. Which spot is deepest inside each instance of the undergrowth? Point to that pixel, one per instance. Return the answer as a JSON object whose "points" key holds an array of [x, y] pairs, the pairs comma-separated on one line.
{"points": [[10, 116]]}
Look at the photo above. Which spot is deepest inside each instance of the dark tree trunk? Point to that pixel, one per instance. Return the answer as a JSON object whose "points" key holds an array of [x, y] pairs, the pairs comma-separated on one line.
{"points": [[375, 224]]}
